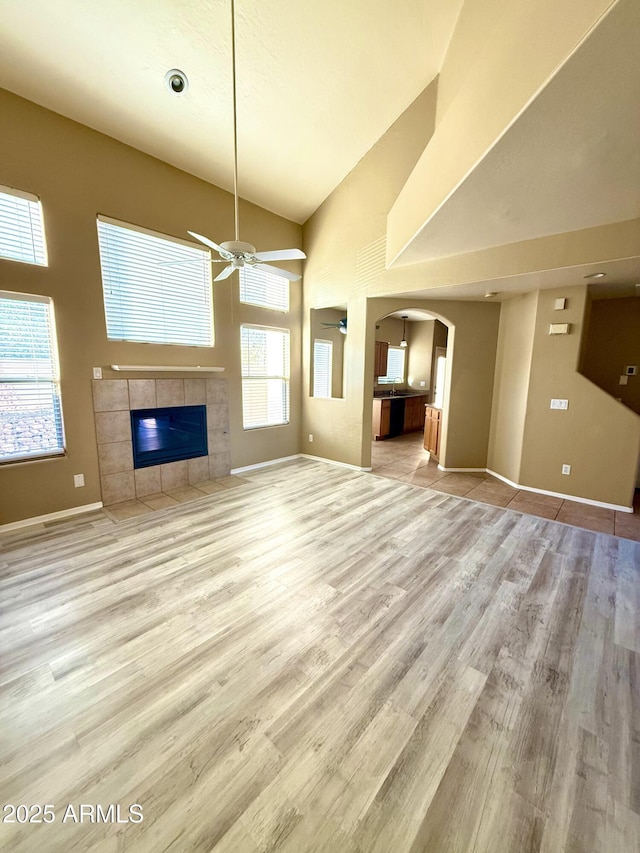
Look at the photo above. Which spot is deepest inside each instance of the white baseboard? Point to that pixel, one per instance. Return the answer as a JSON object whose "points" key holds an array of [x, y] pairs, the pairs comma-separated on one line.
{"points": [[264, 464], [616, 507], [462, 470], [50, 516]]}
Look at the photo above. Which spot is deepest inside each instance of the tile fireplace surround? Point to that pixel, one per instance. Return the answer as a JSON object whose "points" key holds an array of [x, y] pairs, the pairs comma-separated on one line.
{"points": [[113, 400]]}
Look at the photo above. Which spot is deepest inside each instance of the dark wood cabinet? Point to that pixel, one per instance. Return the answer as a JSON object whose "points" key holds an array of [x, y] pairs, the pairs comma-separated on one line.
{"points": [[381, 358], [381, 418], [397, 415], [432, 425], [414, 413]]}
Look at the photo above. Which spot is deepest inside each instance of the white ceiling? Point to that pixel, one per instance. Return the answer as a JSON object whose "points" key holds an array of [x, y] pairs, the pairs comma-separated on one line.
{"points": [[318, 82]]}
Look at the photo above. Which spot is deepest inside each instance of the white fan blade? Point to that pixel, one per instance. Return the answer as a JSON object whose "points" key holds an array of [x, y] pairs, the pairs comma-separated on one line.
{"points": [[280, 255], [206, 241], [292, 276], [226, 272]]}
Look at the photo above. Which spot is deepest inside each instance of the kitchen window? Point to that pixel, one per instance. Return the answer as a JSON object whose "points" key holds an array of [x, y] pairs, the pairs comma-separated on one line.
{"points": [[395, 366], [157, 289], [265, 376], [30, 409]]}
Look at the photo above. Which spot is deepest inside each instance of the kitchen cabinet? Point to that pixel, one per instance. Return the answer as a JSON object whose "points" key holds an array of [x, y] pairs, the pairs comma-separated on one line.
{"points": [[381, 420], [381, 357], [414, 413], [432, 427], [396, 415]]}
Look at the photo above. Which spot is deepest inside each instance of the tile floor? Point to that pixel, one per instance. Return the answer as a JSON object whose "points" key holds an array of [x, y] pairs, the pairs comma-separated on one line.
{"points": [[404, 458], [162, 500]]}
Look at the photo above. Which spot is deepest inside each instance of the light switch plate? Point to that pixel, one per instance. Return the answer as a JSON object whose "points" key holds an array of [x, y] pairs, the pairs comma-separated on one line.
{"points": [[624, 379], [631, 370], [559, 304], [559, 404], [78, 480], [97, 373]]}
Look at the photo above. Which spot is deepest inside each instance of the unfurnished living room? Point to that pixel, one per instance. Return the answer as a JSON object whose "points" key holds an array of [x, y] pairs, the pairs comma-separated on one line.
{"points": [[320, 426]]}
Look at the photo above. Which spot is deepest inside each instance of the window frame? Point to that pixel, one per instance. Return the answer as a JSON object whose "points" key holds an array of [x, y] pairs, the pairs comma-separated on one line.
{"points": [[37, 238], [329, 344], [285, 379], [163, 296], [53, 379], [244, 286], [387, 380]]}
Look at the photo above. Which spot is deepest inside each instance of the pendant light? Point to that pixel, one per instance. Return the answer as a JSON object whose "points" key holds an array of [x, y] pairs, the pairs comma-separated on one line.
{"points": [[403, 342]]}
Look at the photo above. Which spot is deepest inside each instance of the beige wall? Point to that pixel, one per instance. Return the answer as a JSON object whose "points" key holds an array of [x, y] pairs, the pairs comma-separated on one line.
{"points": [[511, 386], [79, 173], [420, 356], [344, 241], [529, 441], [613, 342], [516, 47], [597, 436]]}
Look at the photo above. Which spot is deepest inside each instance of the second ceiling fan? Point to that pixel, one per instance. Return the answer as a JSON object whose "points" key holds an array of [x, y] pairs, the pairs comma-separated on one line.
{"points": [[236, 253]]}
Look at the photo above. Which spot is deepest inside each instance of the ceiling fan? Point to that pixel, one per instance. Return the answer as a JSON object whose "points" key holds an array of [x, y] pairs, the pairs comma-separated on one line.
{"points": [[341, 325], [236, 253]]}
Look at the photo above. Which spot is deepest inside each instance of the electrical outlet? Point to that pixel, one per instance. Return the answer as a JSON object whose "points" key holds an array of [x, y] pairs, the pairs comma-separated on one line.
{"points": [[624, 379], [97, 373], [78, 480], [559, 404], [310, 438], [566, 469]]}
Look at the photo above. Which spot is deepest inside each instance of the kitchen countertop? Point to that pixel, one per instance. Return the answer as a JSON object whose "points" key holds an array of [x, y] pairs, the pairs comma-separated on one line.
{"points": [[399, 395]]}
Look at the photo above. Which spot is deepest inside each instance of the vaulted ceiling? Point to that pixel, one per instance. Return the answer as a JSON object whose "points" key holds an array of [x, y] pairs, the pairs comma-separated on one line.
{"points": [[318, 82]]}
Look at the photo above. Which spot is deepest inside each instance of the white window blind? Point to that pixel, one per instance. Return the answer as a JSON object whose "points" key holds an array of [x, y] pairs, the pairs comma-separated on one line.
{"points": [[156, 289], [322, 368], [30, 410], [21, 227], [264, 289], [395, 366], [265, 376]]}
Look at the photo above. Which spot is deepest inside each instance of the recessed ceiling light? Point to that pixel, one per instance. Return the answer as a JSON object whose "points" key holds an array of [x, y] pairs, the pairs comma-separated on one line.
{"points": [[596, 275], [490, 294], [176, 81]]}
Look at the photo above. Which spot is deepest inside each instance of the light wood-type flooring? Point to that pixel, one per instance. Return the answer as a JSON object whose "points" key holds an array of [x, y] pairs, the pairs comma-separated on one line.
{"points": [[322, 660], [404, 458]]}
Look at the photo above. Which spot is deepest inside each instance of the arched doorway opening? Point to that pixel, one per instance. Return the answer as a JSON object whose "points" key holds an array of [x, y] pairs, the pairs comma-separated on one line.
{"points": [[409, 384]]}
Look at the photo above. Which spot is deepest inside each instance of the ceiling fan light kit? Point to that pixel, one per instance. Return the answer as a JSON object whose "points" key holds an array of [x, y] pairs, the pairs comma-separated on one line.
{"points": [[236, 253]]}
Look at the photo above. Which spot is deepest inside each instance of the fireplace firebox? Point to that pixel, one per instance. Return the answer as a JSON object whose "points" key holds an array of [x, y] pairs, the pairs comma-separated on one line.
{"points": [[168, 434]]}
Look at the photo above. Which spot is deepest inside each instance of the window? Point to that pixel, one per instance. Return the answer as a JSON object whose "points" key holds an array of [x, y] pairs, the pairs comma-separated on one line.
{"points": [[21, 227], [30, 411], [264, 289], [157, 289], [322, 368], [395, 366], [265, 376]]}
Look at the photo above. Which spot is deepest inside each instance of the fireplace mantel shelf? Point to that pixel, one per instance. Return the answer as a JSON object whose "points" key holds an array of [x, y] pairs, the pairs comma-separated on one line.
{"points": [[167, 368]]}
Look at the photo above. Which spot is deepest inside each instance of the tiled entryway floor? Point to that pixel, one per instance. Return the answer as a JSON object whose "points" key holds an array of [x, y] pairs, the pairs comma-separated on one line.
{"points": [[162, 500], [404, 458]]}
